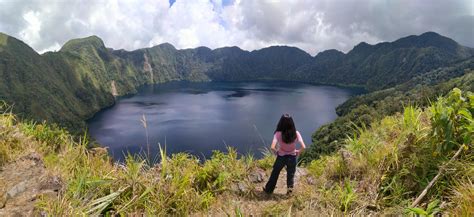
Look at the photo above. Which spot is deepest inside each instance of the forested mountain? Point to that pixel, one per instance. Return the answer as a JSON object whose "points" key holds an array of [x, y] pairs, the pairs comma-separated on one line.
{"points": [[385, 64], [70, 85]]}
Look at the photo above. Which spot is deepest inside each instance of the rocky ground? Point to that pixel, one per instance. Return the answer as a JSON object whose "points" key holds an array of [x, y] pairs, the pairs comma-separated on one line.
{"points": [[255, 202], [25, 180], [22, 183]]}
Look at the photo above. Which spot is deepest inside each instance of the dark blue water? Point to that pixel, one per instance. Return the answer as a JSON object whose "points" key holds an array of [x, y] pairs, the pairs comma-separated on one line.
{"points": [[200, 117]]}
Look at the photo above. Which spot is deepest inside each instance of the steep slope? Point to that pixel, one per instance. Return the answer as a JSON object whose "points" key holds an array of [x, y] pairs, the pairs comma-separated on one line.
{"points": [[272, 63], [386, 64], [36, 88], [69, 86], [170, 64]]}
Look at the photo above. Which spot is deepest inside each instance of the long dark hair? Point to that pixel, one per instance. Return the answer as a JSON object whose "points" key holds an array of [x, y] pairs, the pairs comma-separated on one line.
{"points": [[286, 126]]}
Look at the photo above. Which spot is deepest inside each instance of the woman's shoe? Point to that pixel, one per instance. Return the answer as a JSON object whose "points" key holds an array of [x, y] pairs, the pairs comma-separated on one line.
{"points": [[265, 190], [289, 191]]}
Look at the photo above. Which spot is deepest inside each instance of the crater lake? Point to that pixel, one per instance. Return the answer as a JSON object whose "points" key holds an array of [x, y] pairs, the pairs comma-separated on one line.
{"points": [[198, 118]]}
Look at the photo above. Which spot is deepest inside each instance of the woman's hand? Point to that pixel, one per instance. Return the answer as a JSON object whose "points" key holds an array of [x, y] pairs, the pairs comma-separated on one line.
{"points": [[298, 151], [273, 146], [275, 151]]}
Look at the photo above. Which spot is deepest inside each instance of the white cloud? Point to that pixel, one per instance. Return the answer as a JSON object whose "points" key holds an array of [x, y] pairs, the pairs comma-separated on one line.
{"points": [[32, 30], [55, 47], [309, 24]]}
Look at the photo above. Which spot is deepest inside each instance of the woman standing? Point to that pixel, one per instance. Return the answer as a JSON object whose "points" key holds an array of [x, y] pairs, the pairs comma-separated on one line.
{"points": [[286, 136]]}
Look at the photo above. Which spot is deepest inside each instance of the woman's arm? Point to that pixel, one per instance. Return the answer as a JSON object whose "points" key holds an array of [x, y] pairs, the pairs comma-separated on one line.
{"points": [[300, 139], [274, 142]]}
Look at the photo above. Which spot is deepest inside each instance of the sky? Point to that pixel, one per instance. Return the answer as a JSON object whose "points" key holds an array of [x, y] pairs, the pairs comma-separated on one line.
{"points": [[312, 25]]}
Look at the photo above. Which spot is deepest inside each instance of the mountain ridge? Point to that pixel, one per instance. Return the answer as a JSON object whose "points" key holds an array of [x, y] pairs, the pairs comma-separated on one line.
{"points": [[84, 75], [78, 43], [389, 63], [422, 37]]}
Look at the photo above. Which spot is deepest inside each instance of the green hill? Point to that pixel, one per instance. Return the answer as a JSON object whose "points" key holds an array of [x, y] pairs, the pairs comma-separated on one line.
{"points": [[38, 90], [89, 43], [386, 64], [69, 86]]}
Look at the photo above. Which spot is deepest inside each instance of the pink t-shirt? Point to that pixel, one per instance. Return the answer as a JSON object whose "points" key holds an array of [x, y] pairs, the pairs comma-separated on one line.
{"points": [[285, 148]]}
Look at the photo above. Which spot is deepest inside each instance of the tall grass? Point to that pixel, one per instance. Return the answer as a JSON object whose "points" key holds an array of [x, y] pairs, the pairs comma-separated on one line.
{"points": [[145, 125], [393, 161], [94, 184], [9, 145]]}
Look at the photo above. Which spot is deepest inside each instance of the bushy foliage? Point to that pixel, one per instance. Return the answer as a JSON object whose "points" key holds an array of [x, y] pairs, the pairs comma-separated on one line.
{"points": [[361, 111], [392, 161]]}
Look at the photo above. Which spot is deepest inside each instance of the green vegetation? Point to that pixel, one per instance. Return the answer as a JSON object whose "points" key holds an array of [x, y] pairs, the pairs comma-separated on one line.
{"points": [[3, 39], [69, 86], [377, 157], [178, 184], [379, 171], [48, 87], [393, 161], [384, 65], [361, 111]]}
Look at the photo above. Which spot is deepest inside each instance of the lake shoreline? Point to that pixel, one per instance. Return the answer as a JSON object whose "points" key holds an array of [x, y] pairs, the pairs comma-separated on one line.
{"points": [[221, 93]]}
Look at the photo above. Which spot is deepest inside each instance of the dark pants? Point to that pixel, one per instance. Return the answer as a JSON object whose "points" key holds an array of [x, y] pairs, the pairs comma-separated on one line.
{"points": [[290, 162]]}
